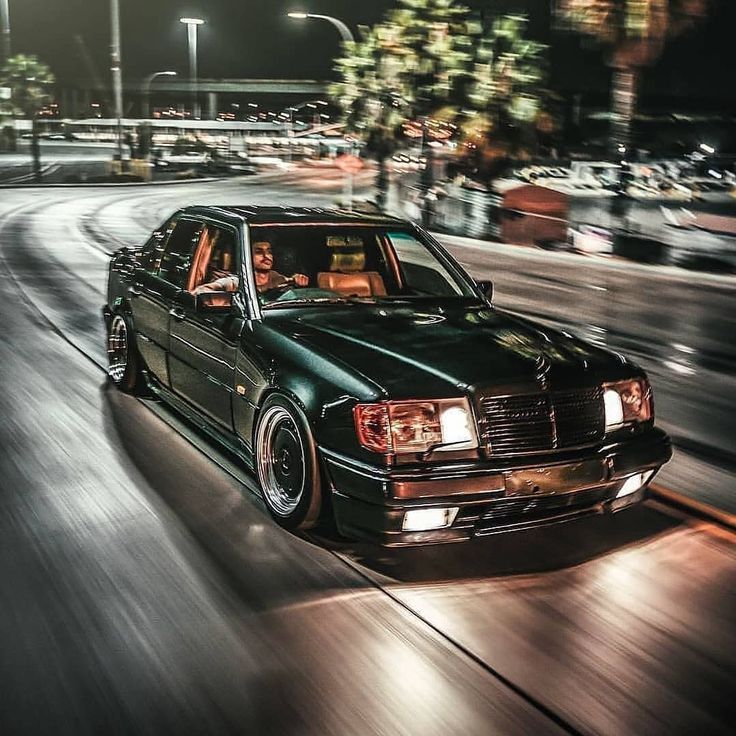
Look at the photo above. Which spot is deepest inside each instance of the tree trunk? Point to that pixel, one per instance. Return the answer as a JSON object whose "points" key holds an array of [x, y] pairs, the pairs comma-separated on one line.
{"points": [[426, 181], [623, 103], [381, 181], [35, 150]]}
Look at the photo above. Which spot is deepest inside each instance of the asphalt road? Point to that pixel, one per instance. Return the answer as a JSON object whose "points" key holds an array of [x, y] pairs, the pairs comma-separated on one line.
{"points": [[145, 590]]}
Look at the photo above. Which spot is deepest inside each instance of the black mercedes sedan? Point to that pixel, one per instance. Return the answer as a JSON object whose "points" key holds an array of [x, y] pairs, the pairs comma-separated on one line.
{"points": [[363, 376]]}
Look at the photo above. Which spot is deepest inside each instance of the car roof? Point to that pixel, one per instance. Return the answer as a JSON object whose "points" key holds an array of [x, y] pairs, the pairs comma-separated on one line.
{"points": [[260, 215]]}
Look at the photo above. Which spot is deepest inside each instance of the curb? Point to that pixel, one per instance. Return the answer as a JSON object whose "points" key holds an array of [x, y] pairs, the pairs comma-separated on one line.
{"points": [[693, 507]]}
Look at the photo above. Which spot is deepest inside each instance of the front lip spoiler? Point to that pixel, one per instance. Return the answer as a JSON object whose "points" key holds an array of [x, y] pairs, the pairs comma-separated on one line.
{"points": [[370, 502]]}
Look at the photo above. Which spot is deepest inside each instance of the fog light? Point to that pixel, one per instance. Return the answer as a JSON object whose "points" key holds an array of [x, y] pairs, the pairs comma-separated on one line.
{"points": [[422, 520], [634, 482]]}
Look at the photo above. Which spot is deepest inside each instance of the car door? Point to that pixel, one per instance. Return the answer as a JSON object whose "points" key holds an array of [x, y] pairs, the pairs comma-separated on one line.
{"points": [[204, 342], [155, 287]]}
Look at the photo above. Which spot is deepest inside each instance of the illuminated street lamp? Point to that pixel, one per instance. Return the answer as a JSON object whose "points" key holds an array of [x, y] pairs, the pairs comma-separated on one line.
{"points": [[707, 149], [345, 33], [192, 24], [147, 90]]}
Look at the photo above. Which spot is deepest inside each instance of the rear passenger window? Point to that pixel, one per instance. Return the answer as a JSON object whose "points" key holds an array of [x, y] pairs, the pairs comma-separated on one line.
{"points": [[177, 256], [152, 252]]}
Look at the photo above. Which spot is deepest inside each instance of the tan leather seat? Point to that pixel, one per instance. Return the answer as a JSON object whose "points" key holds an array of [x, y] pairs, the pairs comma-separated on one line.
{"points": [[357, 283]]}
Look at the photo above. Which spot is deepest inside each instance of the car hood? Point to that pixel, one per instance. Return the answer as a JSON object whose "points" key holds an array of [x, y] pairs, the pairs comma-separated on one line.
{"points": [[436, 351]]}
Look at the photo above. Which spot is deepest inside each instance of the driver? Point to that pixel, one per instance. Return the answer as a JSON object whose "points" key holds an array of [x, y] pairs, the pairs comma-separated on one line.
{"points": [[266, 277]]}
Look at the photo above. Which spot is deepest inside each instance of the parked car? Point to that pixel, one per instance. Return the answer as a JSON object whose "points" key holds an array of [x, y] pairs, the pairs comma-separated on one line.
{"points": [[386, 390], [184, 159], [591, 240]]}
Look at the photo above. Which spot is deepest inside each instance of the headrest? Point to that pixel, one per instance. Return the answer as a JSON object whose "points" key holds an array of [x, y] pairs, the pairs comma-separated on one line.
{"points": [[347, 254]]}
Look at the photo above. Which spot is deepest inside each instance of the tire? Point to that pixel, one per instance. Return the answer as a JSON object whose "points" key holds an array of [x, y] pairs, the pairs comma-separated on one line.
{"points": [[286, 464], [123, 361]]}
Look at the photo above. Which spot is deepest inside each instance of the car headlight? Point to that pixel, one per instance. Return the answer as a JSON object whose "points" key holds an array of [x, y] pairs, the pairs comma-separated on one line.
{"points": [[627, 402], [415, 426]]}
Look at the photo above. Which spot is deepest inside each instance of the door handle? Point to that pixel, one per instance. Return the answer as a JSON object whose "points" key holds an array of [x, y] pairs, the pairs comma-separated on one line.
{"points": [[177, 313], [134, 291]]}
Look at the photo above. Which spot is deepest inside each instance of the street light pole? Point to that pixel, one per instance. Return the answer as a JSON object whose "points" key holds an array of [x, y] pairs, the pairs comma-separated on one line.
{"points": [[117, 73], [347, 37], [146, 89], [192, 25], [345, 33], [5, 25]]}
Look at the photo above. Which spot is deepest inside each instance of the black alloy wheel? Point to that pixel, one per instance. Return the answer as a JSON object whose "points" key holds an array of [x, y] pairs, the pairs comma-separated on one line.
{"points": [[286, 463]]}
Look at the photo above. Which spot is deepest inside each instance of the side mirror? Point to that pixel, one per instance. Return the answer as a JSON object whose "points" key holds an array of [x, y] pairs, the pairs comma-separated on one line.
{"points": [[486, 286], [214, 301]]}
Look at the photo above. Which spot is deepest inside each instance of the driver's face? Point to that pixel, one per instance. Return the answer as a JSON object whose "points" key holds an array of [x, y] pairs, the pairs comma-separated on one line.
{"points": [[262, 256]]}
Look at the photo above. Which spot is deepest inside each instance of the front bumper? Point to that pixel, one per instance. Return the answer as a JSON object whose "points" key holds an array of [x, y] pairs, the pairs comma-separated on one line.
{"points": [[491, 497]]}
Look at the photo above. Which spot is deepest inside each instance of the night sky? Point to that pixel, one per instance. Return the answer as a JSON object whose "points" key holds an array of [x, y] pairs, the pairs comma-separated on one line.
{"points": [[253, 38]]}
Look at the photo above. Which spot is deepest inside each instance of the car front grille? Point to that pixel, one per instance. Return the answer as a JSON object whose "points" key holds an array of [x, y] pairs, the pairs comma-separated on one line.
{"points": [[541, 422]]}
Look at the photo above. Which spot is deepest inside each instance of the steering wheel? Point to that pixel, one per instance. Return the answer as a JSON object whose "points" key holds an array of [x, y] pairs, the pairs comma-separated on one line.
{"points": [[287, 283]]}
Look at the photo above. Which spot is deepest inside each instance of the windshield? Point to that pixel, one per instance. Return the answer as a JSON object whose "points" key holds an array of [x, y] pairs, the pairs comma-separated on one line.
{"points": [[326, 264]]}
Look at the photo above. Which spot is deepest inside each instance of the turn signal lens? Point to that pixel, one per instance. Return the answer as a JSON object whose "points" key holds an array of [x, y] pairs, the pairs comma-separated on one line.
{"points": [[627, 401], [415, 426], [371, 422]]}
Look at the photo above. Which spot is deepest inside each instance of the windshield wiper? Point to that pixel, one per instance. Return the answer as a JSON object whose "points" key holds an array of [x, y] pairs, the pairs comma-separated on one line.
{"points": [[313, 300]]}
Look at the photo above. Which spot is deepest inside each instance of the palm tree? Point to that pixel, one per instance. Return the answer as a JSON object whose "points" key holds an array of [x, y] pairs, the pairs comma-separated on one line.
{"points": [[634, 32], [508, 97], [30, 81], [404, 70]]}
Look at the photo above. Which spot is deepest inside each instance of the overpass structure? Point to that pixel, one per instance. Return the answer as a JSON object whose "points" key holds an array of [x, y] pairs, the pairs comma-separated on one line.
{"points": [[242, 86], [214, 87]]}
